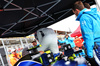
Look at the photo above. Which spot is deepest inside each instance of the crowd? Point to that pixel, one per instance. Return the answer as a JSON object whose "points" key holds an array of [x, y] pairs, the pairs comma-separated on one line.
{"points": [[76, 43], [15, 54]]}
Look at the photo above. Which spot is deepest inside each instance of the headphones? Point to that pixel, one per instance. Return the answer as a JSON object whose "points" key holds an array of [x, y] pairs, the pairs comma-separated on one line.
{"points": [[42, 33], [36, 35]]}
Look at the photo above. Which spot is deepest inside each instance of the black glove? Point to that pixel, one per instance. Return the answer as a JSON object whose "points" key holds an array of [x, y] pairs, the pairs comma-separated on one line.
{"points": [[92, 61]]}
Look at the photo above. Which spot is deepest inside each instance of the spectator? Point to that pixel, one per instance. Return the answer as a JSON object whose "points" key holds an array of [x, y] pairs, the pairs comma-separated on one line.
{"points": [[68, 40], [9, 51], [14, 57], [78, 42], [34, 45], [87, 5], [79, 54], [89, 22]]}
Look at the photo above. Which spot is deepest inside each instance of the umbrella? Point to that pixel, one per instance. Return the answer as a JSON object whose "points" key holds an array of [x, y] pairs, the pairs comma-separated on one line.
{"points": [[20, 18]]}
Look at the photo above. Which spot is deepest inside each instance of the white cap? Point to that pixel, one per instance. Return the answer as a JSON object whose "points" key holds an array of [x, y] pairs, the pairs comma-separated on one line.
{"points": [[12, 50]]}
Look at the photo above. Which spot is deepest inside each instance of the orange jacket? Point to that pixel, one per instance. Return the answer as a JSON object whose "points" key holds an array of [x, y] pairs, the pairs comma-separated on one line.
{"points": [[14, 58]]}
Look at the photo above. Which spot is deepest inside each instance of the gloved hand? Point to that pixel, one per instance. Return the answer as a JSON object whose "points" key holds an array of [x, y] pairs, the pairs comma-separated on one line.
{"points": [[92, 61]]}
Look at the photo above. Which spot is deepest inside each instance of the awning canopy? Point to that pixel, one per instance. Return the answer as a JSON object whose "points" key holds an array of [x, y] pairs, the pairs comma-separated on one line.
{"points": [[23, 17], [77, 32]]}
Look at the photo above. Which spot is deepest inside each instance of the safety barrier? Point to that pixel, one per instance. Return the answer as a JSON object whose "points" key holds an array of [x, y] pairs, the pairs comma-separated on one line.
{"points": [[12, 43]]}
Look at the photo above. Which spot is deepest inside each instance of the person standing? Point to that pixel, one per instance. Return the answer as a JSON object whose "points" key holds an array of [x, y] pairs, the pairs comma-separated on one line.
{"points": [[90, 28], [14, 57], [68, 40], [78, 42], [34, 45], [87, 5], [79, 54]]}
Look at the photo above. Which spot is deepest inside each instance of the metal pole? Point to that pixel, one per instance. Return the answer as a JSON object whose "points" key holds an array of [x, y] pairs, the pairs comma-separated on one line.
{"points": [[50, 7], [26, 41], [64, 14], [16, 23], [1, 60], [22, 43], [45, 14], [5, 51], [7, 3], [11, 4]]}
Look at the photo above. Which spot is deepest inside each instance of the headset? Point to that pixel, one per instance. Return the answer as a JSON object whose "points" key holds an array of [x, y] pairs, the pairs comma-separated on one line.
{"points": [[41, 34]]}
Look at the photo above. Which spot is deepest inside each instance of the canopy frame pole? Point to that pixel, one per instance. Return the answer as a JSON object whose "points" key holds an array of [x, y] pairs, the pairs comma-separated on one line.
{"points": [[48, 17], [7, 3], [16, 32], [12, 4], [46, 14], [13, 9], [39, 25], [9, 24], [64, 14], [12, 31], [68, 10], [44, 20], [46, 4], [21, 8], [47, 11], [29, 8], [46, 23], [25, 15], [31, 12], [5, 29], [8, 9], [32, 28], [17, 22], [29, 28], [51, 7], [28, 19], [62, 11]]}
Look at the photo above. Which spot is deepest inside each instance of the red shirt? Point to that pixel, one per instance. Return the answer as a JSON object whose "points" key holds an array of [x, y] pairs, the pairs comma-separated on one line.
{"points": [[78, 42]]}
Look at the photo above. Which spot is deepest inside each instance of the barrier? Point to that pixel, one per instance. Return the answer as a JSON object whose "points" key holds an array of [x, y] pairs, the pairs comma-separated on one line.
{"points": [[19, 42]]}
